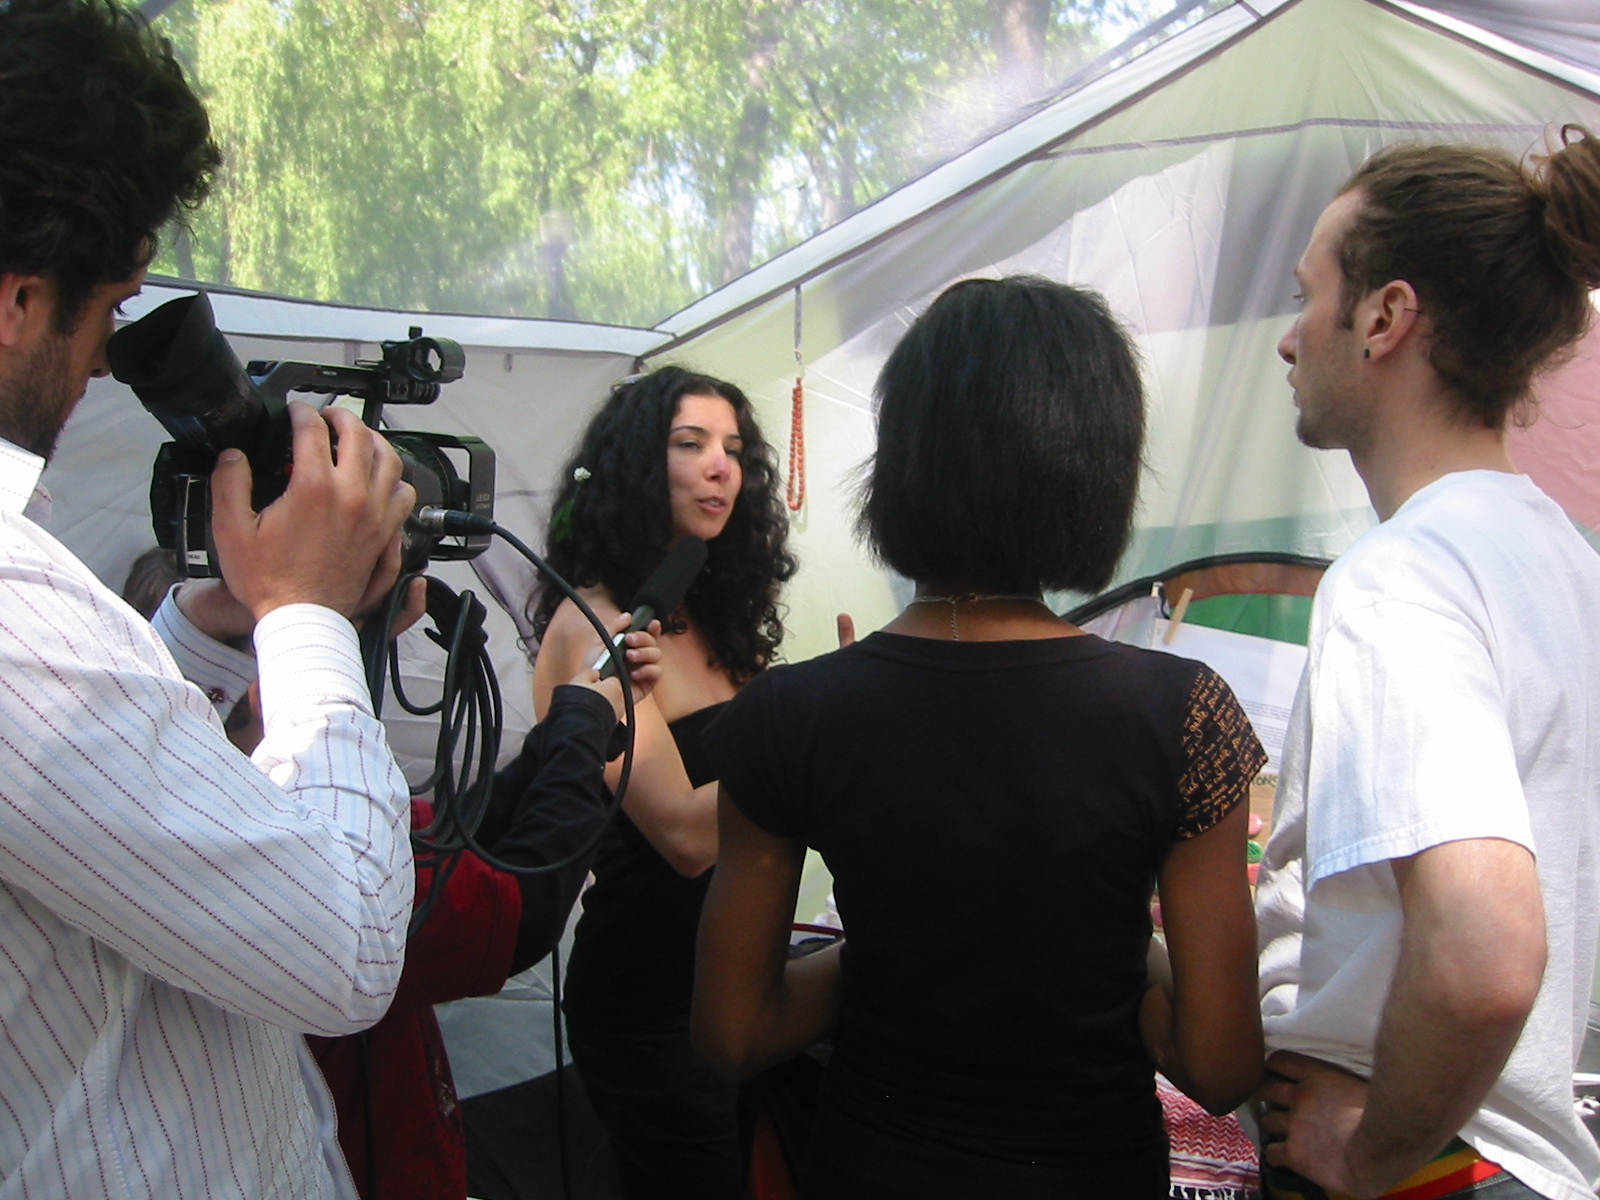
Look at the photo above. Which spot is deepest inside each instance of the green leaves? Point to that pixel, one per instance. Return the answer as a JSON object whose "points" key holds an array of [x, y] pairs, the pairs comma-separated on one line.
{"points": [[606, 159]]}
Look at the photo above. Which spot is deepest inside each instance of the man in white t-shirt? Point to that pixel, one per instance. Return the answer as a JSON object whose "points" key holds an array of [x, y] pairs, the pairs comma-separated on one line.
{"points": [[1430, 898]]}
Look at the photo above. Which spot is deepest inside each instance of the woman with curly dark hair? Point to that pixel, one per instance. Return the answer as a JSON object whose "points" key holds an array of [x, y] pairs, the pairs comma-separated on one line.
{"points": [[670, 454]]}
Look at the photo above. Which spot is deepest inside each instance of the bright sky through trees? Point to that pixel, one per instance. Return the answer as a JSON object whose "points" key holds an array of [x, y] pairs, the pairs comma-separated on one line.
{"points": [[606, 160]]}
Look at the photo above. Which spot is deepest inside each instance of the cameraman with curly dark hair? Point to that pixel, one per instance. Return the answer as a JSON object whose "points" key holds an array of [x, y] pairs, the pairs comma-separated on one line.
{"points": [[173, 916]]}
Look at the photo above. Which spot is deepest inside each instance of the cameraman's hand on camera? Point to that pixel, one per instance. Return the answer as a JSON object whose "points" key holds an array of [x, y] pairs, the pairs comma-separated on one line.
{"points": [[332, 538], [644, 664]]}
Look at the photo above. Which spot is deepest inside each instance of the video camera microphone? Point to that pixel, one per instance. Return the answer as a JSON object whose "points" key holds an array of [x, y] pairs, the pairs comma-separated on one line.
{"points": [[660, 595]]}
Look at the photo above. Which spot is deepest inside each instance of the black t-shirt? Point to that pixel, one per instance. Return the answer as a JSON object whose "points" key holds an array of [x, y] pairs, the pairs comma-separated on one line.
{"points": [[632, 964], [994, 814]]}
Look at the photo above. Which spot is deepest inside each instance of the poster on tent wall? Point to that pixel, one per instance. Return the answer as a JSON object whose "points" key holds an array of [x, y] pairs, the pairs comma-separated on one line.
{"points": [[1263, 672]]}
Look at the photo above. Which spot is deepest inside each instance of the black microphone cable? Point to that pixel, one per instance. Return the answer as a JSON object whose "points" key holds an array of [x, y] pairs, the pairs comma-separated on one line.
{"points": [[470, 710]]}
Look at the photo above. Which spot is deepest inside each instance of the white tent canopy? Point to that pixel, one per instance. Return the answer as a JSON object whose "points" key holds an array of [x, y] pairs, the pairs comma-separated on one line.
{"points": [[1568, 30], [1183, 187], [1181, 184]]}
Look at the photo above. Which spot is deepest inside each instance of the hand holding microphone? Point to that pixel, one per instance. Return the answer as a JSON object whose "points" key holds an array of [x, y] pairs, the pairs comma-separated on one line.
{"points": [[644, 665], [659, 597]]}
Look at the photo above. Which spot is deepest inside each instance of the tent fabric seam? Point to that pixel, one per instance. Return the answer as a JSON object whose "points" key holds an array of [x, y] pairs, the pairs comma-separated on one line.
{"points": [[1196, 139]]}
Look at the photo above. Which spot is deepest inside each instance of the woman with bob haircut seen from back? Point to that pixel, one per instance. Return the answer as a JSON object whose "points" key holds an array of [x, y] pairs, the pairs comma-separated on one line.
{"points": [[996, 794]]}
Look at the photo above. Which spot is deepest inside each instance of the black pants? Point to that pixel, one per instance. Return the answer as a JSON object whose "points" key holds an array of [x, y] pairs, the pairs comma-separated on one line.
{"points": [[674, 1127], [850, 1160]]}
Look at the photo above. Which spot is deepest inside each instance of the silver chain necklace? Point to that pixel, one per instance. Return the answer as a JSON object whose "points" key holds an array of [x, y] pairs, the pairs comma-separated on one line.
{"points": [[967, 598]]}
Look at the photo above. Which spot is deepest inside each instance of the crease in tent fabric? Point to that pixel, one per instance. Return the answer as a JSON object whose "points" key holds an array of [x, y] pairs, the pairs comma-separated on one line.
{"points": [[816, 376], [1362, 73], [1199, 139]]}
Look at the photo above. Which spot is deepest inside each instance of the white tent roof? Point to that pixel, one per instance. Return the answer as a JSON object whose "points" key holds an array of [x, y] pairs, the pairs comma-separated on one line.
{"points": [[1181, 183], [1182, 186], [1082, 109], [251, 314], [1568, 30]]}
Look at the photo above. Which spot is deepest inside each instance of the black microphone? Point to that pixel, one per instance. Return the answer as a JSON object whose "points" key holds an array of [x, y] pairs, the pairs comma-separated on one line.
{"points": [[660, 595]]}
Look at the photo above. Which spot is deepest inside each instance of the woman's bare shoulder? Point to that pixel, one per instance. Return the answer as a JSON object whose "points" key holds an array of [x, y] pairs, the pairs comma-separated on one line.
{"points": [[568, 622], [570, 629], [568, 636]]}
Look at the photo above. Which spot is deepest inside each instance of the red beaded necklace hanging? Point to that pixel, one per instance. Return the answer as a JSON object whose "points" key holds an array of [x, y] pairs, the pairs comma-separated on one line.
{"points": [[796, 491]]}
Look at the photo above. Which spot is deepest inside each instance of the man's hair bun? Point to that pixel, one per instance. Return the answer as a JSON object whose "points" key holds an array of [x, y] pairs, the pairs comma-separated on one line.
{"points": [[1568, 180]]}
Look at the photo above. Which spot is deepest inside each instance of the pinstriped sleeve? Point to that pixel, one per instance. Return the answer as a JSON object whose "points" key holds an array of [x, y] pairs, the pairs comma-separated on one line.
{"points": [[278, 890], [221, 672]]}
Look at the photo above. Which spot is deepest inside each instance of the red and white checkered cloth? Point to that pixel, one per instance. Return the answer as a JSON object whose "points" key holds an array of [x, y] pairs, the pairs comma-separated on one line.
{"points": [[1212, 1157]]}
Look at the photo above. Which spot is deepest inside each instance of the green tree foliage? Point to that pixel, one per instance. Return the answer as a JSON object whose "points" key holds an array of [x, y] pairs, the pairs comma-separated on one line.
{"points": [[607, 160]]}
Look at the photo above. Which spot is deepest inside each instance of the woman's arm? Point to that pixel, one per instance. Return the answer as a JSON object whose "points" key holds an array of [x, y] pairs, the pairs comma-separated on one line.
{"points": [[753, 1006], [679, 819], [1203, 1026], [561, 651]]}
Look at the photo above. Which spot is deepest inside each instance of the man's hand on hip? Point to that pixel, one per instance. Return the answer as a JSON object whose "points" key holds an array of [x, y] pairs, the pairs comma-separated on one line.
{"points": [[332, 538], [1309, 1110]]}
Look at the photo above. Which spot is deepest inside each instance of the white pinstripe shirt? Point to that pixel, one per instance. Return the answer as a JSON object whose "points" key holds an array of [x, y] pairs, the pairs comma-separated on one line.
{"points": [[172, 915]]}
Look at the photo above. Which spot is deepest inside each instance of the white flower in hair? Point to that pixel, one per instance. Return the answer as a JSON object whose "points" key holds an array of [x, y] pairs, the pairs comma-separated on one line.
{"points": [[580, 473]]}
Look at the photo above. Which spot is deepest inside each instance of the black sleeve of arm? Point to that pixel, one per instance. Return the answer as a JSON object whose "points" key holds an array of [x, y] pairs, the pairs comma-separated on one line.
{"points": [[1221, 752], [547, 803]]}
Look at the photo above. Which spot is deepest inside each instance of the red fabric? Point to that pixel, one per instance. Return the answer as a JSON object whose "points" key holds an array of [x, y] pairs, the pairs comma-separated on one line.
{"points": [[1558, 451], [1448, 1185], [769, 1169], [464, 949], [1212, 1158]]}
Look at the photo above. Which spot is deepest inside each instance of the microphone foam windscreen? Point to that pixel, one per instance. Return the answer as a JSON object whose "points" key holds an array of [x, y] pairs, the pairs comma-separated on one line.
{"points": [[669, 582]]}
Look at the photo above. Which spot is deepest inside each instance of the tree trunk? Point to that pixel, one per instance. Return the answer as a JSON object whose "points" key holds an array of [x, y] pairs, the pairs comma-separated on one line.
{"points": [[1019, 33], [183, 251], [746, 164], [745, 168], [841, 199], [224, 250]]}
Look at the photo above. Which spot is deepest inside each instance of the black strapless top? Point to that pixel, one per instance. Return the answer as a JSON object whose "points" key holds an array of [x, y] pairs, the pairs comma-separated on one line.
{"points": [[632, 958]]}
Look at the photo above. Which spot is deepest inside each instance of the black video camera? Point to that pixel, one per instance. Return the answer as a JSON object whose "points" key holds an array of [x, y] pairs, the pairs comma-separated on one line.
{"points": [[183, 371]]}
